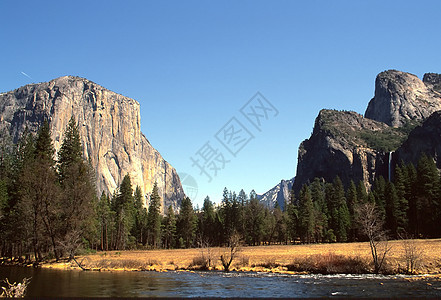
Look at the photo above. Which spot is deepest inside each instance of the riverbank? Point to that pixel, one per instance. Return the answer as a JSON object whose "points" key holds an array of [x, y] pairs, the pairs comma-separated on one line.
{"points": [[290, 259]]}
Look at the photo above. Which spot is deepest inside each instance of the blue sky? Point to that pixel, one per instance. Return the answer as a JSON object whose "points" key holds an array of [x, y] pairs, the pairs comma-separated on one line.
{"points": [[192, 65]]}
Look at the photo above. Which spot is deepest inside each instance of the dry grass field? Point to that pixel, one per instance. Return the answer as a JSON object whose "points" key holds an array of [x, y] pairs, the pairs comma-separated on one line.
{"points": [[274, 258]]}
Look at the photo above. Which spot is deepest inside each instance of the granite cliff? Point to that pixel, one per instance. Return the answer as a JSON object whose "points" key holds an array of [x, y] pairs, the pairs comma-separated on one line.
{"points": [[356, 147], [279, 194], [401, 96], [109, 126], [423, 139]]}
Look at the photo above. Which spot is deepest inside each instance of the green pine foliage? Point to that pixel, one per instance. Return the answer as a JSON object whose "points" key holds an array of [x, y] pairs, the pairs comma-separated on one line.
{"points": [[169, 229], [154, 218], [207, 222], [428, 196], [187, 223], [255, 213], [139, 230], [49, 208], [306, 215]]}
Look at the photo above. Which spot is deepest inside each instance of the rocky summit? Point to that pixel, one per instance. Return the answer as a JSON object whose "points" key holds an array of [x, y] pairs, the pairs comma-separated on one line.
{"points": [[356, 147], [280, 194], [400, 97], [109, 125]]}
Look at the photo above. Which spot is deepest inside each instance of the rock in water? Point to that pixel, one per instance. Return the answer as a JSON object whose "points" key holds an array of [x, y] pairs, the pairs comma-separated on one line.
{"points": [[109, 126]]}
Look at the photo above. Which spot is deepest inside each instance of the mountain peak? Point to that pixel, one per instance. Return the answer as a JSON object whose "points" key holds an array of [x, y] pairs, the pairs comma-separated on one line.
{"points": [[109, 125], [279, 194], [401, 97]]}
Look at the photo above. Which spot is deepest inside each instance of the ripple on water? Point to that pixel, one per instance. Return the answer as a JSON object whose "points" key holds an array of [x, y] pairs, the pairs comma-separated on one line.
{"points": [[51, 283]]}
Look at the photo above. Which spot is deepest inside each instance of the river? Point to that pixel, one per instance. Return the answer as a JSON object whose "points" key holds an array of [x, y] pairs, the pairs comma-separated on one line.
{"points": [[59, 283]]}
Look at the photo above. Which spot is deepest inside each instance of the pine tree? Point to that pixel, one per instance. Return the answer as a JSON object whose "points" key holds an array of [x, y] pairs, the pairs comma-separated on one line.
{"points": [[280, 226], [254, 220], [392, 208], [208, 220], [378, 191], [338, 210], [411, 196], [293, 218], [235, 214], [154, 218], [344, 223], [187, 222], [70, 150], [226, 214], [16, 225], [320, 208], [123, 205], [44, 149], [352, 200], [362, 196], [79, 195], [3, 214], [306, 215], [105, 216], [428, 203], [169, 231], [140, 227], [400, 182], [39, 195], [242, 200]]}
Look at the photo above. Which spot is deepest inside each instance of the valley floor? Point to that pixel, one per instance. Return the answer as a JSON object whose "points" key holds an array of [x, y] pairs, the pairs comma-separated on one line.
{"points": [[292, 259]]}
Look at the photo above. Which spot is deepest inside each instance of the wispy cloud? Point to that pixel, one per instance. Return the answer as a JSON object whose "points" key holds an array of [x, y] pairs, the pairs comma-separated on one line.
{"points": [[26, 75]]}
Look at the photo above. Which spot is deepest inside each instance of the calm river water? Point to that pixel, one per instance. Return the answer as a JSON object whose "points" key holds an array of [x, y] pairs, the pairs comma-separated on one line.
{"points": [[52, 283]]}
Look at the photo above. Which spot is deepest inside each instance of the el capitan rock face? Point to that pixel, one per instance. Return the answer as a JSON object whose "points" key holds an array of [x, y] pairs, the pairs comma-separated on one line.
{"points": [[109, 126]]}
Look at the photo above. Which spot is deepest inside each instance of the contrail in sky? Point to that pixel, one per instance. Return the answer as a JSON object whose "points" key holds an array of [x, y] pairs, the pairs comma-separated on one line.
{"points": [[26, 75]]}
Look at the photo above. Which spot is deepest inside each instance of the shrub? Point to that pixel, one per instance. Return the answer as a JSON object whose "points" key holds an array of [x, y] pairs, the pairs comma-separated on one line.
{"points": [[123, 263], [200, 263], [244, 261], [330, 264], [152, 262], [269, 264], [412, 255]]}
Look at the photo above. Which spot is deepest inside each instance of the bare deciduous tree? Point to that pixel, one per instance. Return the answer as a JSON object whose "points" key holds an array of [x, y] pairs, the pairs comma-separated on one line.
{"points": [[230, 252], [412, 254], [372, 226], [206, 252]]}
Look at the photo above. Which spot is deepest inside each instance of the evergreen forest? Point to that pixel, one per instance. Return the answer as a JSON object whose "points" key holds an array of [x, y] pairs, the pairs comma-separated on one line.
{"points": [[49, 207]]}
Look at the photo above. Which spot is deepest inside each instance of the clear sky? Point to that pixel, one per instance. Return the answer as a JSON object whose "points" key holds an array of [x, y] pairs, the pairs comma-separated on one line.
{"points": [[193, 65]]}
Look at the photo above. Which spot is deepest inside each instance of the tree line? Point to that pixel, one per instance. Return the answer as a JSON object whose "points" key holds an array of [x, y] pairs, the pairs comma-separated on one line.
{"points": [[49, 207], [408, 206], [46, 204]]}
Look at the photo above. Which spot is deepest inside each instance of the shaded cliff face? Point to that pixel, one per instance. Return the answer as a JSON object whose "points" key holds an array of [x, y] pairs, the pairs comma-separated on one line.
{"points": [[401, 96], [279, 194], [354, 147], [423, 139], [344, 144], [109, 126]]}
